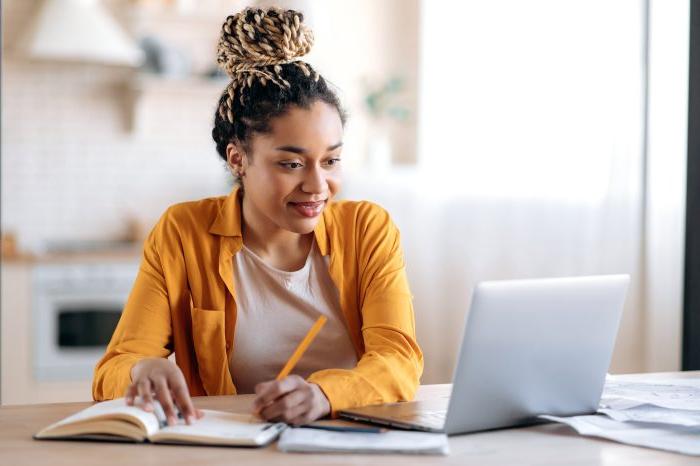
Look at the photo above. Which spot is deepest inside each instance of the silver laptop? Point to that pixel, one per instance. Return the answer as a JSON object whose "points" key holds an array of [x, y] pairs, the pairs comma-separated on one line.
{"points": [[530, 347]]}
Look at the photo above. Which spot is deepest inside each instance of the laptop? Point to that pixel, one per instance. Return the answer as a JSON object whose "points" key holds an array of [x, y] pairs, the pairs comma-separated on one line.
{"points": [[530, 347]]}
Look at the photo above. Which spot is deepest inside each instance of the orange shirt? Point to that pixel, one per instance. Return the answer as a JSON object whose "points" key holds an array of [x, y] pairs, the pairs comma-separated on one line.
{"points": [[183, 300]]}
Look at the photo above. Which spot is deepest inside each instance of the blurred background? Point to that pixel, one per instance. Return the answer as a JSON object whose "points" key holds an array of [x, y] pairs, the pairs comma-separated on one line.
{"points": [[508, 139]]}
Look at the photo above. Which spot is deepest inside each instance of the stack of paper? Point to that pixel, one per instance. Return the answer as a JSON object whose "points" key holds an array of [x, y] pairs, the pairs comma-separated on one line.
{"points": [[393, 441], [663, 414]]}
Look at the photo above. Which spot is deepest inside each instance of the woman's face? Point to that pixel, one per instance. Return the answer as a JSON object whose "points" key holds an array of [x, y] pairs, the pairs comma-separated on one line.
{"points": [[294, 170]]}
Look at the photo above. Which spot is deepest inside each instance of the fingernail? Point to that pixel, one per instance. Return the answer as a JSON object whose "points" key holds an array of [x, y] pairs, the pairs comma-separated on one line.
{"points": [[148, 407], [171, 421], [190, 419]]}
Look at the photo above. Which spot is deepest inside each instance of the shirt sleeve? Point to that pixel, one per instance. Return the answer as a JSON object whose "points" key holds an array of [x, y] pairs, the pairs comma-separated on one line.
{"points": [[389, 370], [144, 329]]}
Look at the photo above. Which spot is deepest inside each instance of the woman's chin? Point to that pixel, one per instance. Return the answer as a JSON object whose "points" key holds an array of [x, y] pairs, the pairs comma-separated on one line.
{"points": [[303, 226]]}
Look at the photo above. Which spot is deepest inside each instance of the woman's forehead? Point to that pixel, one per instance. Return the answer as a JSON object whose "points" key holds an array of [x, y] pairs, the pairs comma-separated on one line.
{"points": [[318, 125]]}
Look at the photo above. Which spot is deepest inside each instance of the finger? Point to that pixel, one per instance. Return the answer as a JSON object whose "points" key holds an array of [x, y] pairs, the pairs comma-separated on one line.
{"points": [[263, 389], [163, 395], [130, 394], [144, 391], [277, 388], [299, 415], [184, 401], [302, 419], [280, 408], [268, 392], [198, 413], [309, 413]]}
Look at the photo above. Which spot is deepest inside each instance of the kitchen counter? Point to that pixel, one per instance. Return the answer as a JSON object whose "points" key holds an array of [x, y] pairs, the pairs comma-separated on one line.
{"points": [[106, 255]]}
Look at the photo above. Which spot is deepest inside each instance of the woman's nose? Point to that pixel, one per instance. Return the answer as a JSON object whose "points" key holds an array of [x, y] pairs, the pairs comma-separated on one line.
{"points": [[314, 181]]}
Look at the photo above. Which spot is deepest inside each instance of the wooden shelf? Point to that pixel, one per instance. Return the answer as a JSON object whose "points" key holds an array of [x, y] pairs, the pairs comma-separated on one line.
{"points": [[144, 88], [153, 83]]}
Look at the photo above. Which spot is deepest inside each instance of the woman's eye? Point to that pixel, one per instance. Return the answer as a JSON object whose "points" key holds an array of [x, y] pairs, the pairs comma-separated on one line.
{"points": [[335, 161], [291, 165]]}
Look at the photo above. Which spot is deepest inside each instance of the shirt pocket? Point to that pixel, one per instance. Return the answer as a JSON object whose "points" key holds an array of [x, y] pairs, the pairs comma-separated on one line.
{"points": [[209, 338]]}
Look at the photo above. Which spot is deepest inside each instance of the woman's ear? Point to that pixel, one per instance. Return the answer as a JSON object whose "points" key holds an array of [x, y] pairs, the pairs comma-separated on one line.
{"points": [[235, 158]]}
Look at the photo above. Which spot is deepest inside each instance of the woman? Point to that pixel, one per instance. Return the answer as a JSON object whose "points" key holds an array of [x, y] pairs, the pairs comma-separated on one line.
{"points": [[232, 284]]}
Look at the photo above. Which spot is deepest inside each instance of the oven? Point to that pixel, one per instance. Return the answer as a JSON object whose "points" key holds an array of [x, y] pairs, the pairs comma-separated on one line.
{"points": [[76, 307]]}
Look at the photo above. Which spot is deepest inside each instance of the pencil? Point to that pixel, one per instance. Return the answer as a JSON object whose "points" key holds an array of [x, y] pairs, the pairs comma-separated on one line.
{"points": [[299, 352]]}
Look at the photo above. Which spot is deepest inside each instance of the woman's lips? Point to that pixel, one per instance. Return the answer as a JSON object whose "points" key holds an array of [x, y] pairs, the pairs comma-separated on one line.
{"points": [[308, 209]]}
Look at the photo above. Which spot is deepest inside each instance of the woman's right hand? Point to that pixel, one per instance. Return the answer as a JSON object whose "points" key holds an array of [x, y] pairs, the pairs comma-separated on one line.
{"points": [[161, 379]]}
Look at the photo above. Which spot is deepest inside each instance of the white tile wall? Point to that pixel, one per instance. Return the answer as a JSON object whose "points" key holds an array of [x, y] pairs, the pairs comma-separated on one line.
{"points": [[78, 158], [72, 168]]}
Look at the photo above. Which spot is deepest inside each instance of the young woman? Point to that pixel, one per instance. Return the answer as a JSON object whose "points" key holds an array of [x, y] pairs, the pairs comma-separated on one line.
{"points": [[232, 284]]}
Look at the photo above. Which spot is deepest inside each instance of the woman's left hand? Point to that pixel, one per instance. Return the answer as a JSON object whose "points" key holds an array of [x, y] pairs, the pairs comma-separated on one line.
{"points": [[292, 400]]}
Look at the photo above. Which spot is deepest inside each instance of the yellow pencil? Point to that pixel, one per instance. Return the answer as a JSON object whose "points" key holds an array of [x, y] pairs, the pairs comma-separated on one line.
{"points": [[296, 356], [299, 352]]}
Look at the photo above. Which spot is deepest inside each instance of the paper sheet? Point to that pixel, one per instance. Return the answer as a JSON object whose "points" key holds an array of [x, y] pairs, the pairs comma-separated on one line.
{"points": [[679, 439], [655, 415], [314, 440], [679, 394]]}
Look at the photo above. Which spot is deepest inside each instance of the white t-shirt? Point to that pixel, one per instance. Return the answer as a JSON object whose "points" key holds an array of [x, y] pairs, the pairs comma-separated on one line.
{"points": [[275, 310]]}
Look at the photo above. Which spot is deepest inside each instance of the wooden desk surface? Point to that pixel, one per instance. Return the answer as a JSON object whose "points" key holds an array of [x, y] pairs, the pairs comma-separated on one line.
{"points": [[549, 444]]}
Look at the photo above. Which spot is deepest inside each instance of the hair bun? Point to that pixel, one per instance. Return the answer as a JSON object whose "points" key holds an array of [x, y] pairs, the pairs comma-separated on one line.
{"points": [[258, 37]]}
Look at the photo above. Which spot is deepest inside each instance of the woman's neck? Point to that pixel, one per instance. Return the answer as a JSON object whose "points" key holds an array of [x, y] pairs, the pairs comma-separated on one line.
{"points": [[280, 248]]}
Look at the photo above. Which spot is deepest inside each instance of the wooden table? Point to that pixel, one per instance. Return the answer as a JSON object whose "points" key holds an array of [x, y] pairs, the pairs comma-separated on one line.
{"points": [[549, 444]]}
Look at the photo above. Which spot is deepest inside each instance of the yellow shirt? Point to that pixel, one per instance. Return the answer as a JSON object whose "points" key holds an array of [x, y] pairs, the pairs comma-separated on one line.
{"points": [[183, 300]]}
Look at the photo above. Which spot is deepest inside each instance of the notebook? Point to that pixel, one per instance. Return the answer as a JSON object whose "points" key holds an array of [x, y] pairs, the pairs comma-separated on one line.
{"points": [[391, 441], [115, 421]]}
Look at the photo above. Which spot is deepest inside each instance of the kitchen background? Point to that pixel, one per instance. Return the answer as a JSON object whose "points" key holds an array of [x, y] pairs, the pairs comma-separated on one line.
{"points": [[508, 139]]}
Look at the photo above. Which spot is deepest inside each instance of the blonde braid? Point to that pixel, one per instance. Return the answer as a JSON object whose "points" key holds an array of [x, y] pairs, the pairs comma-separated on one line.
{"points": [[254, 44]]}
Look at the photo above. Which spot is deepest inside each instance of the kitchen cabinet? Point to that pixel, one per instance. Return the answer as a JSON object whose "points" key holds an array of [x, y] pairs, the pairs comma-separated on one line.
{"points": [[38, 364]]}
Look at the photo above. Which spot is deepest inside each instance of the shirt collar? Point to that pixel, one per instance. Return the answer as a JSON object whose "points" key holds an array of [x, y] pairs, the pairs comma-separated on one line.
{"points": [[228, 221]]}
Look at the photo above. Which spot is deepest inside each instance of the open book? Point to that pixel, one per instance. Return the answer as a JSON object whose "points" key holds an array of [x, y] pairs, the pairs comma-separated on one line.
{"points": [[114, 420]]}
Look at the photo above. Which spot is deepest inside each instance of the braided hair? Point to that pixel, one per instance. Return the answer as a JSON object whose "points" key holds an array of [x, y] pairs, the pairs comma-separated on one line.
{"points": [[259, 50]]}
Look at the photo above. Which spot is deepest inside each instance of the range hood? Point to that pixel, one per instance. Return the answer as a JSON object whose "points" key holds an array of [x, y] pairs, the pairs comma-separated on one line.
{"points": [[78, 31]]}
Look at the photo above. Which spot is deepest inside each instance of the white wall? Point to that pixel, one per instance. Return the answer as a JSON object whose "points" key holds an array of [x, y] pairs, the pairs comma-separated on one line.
{"points": [[531, 153]]}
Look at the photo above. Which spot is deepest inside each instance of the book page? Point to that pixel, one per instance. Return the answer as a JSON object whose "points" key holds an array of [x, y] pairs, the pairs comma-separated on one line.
{"points": [[219, 427], [113, 410]]}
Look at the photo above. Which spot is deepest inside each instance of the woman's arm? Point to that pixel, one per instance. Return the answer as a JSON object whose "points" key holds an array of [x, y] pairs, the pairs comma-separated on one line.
{"points": [[391, 366], [144, 329]]}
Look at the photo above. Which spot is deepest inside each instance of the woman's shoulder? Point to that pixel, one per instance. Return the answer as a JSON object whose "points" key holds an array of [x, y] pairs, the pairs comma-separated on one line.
{"points": [[198, 207], [354, 214], [196, 214]]}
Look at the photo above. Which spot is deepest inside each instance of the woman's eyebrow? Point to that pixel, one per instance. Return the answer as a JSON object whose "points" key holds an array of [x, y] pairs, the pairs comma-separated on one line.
{"points": [[301, 150]]}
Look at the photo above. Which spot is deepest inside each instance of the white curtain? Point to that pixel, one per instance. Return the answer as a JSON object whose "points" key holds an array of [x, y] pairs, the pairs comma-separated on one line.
{"points": [[531, 126]]}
